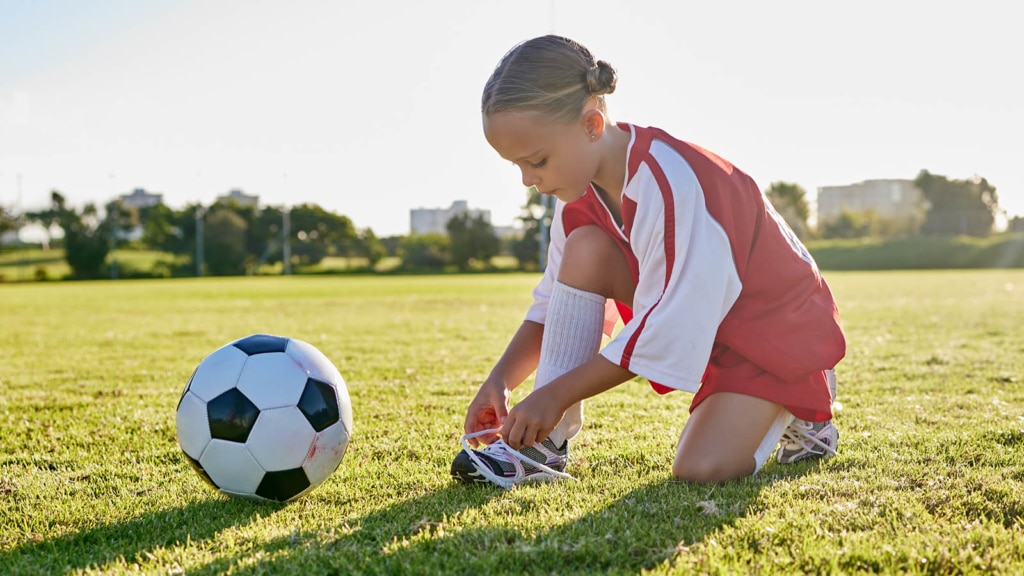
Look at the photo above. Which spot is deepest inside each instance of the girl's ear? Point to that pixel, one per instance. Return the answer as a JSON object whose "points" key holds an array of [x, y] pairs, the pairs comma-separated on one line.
{"points": [[594, 123]]}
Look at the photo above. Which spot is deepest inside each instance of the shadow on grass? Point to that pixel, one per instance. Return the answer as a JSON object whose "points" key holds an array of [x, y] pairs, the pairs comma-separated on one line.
{"points": [[640, 530], [131, 539]]}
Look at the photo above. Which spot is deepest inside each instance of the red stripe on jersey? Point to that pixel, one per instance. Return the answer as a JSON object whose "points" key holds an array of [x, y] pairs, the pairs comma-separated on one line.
{"points": [[669, 246]]}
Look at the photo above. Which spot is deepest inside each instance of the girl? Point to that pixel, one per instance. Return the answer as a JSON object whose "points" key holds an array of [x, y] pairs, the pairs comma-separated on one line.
{"points": [[717, 294]]}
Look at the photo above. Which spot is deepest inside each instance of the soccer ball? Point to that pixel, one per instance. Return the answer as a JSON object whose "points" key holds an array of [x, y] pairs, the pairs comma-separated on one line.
{"points": [[265, 417]]}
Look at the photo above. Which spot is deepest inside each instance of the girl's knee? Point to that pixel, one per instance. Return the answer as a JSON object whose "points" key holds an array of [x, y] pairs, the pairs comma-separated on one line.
{"points": [[594, 262], [711, 470]]}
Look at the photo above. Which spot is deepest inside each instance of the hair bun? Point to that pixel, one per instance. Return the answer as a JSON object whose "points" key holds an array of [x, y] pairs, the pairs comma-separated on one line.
{"points": [[601, 79]]}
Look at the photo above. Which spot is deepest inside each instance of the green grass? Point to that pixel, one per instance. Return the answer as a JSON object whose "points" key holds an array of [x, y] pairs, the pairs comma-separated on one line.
{"points": [[929, 480], [22, 265], [33, 264]]}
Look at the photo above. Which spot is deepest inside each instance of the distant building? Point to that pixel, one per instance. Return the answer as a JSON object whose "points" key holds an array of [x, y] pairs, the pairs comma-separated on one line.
{"points": [[891, 199], [240, 198], [435, 220], [139, 199]]}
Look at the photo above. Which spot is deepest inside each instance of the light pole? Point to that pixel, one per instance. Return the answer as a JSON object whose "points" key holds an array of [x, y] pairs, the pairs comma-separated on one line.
{"points": [[286, 233], [200, 213], [112, 218], [286, 230], [18, 220]]}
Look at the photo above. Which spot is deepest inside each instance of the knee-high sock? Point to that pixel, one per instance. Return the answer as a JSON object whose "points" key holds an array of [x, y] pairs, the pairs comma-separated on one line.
{"points": [[572, 335], [771, 439]]}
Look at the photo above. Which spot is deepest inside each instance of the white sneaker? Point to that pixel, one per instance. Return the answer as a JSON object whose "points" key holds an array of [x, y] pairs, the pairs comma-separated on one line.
{"points": [[803, 440], [499, 464]]}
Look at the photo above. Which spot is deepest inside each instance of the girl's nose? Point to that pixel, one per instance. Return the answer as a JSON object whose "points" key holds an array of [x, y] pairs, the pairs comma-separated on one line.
{"points": [[530, 179]]}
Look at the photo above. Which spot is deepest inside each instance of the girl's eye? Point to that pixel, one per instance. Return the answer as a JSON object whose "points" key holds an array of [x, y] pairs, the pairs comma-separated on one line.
{"points": [[539, 164]]}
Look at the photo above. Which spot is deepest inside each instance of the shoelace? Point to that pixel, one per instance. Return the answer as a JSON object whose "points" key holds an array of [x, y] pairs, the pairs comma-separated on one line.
{"points": [[800, 433], [502, 451]]}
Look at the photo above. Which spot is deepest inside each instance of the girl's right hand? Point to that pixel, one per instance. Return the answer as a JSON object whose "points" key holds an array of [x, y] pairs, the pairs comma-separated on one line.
{"points": [[487, 411]]}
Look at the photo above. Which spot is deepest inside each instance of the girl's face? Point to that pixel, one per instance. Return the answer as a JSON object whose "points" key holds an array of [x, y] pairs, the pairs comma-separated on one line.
{"points": [[556, 157]]}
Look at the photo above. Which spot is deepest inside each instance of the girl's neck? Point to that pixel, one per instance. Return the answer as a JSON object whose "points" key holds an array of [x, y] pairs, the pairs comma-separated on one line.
{"points": [[612, 171]]}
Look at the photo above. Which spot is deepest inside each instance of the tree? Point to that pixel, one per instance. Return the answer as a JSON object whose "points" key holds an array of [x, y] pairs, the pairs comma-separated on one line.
{"points": [[472, 240], [162, 228], [964, 207], [1016, 224], [425, 251], [790, 201], [849, 224], [533, 215], [7, 222], [317, 233], [224, 234], [371, 248], [122, 219], [87, 238]]}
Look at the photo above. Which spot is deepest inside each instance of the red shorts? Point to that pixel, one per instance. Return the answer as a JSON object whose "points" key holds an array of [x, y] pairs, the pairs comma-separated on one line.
{"points": [[728, 371]]}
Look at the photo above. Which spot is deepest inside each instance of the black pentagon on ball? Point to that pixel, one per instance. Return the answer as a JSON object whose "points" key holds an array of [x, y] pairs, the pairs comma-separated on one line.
{"points": [[319, 403], [187, 386], [261, 344], [283, 484], [199, 468], [232, 416]]}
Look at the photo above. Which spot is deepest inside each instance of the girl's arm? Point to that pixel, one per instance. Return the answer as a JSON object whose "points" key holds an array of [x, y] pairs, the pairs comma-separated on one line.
{"points": [[537, 415], [490, 406], [520, 357]]}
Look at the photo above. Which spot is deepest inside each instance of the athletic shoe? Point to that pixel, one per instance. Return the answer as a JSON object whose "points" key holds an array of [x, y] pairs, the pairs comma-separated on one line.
{"points": [[803, 440], [499, 464]]}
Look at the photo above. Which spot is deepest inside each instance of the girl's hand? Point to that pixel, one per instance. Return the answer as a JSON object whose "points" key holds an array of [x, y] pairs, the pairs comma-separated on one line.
{"points": [[531, 420], [486, 412]]}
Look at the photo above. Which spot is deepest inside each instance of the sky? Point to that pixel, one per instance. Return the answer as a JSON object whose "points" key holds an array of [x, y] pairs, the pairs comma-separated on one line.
{"points": [[370, 109]]}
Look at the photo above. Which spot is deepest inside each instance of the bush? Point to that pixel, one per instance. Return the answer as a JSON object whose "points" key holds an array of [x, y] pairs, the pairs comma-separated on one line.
{"points": [[1005, 251]]}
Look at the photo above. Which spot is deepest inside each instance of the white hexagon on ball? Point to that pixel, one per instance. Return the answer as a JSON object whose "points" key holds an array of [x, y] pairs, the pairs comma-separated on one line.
{"points": [[272, 380], [192, 425], [231, 467], [281, 438], [217, 373], [313, 361], [327, 452]]}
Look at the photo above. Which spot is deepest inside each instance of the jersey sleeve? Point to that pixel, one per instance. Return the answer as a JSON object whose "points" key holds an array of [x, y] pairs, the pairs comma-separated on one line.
{"points": [[687, 278]]}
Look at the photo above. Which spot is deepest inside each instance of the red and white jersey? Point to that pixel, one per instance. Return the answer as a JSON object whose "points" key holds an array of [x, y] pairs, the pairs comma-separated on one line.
{"points": [[713, 263]]}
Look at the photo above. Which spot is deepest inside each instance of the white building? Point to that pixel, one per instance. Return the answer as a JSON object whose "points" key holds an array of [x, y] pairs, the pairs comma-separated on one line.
{"points": [[139, 199], [891, 199], [240, 198], [435, 220]]}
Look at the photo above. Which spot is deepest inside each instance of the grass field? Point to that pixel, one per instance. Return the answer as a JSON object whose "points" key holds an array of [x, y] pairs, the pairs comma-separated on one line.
{"points": [[929, 480]]}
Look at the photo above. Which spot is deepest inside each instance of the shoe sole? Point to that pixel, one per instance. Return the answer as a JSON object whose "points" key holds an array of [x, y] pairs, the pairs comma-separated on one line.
{"points": [[470, 476]]}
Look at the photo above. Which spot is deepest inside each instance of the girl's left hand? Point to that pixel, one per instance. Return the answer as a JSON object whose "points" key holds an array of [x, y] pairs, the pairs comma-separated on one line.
{"points": [[531, 420]]}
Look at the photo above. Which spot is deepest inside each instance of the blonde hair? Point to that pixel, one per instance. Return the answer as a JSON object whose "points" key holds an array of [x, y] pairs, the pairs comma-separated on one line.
{"points": [[550, 74]]}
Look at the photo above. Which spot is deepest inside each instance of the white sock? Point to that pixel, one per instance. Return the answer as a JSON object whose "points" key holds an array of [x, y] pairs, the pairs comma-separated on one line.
{"points": [[771, 439], [572, 335]]}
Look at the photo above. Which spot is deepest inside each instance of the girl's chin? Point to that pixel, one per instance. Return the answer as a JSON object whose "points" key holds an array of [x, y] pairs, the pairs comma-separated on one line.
{"points": [[567, 196]]}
